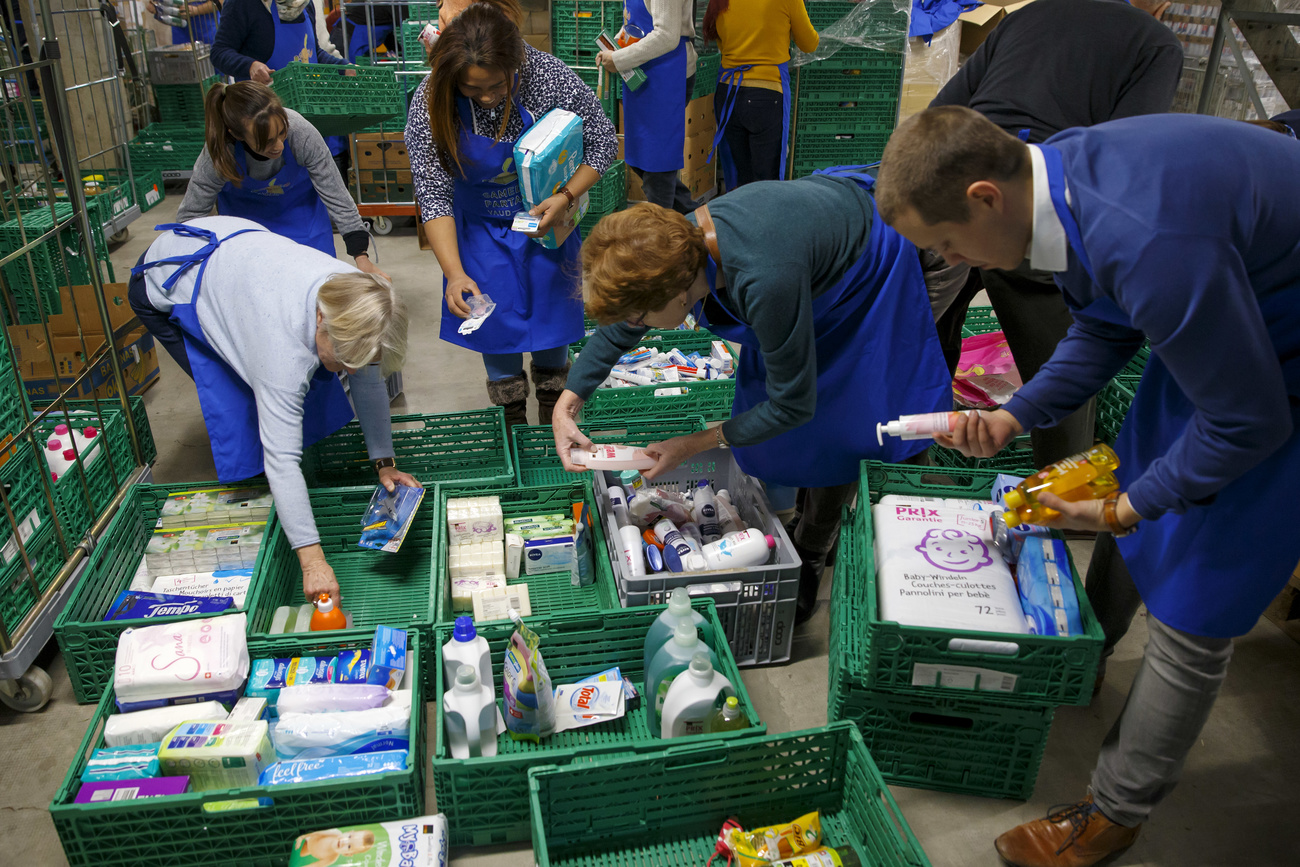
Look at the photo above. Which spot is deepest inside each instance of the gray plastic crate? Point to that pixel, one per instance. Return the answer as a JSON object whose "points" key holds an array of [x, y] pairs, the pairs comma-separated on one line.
{"points": [[174, 65], [756, 605]]}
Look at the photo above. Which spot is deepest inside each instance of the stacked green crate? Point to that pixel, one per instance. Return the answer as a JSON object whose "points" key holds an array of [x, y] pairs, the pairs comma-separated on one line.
{"points": [[21, 141], [536, 462], [182, 103], [36, 542], [339, 99], [149, 190], [60, 260], [706, 74], [413, 50], [847, 105], [169, 148], [947, 709], [607, 196], [575, 24]]}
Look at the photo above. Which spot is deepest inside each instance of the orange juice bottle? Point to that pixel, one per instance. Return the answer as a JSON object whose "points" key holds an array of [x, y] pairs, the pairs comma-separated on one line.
{"points": [[326, 616], [1088, 475]]}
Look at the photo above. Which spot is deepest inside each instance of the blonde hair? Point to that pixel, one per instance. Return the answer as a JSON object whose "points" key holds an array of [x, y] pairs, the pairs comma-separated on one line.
{"points": [[365, 320]]}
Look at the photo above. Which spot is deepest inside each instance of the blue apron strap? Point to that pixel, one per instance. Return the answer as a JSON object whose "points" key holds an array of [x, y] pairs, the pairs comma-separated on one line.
{"points": [[858, 173], [1023, 135], [733, 77], [1056, 185], [186, 261]]}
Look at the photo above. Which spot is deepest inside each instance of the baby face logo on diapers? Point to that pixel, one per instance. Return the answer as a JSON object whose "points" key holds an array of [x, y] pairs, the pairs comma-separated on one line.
{"points": [[955, 550]]}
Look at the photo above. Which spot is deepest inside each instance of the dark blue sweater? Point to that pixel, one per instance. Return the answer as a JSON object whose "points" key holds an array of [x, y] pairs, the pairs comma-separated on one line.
{"points": [[246, 34]]}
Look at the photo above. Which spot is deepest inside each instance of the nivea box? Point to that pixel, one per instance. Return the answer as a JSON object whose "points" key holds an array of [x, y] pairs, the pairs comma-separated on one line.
{"points": [[547, 156], [131, 604]]}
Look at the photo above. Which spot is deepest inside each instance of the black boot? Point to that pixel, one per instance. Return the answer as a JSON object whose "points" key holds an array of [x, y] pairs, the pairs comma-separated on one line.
{"points": [[511, 393], [810, 580], [548, 383]]}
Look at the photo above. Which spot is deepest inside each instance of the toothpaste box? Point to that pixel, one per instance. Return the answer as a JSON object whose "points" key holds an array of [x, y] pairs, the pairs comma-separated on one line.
{"points": [[130, 790], [546, 157], [131, 604], [387, 657]]}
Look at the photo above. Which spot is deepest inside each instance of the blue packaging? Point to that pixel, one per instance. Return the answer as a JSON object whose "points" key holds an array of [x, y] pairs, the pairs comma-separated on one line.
{"points": [[1047, 588], [1011, 540], [226, 697], [333, 767], [387, 657], [122, 763], [268, 676], [352, 666], [131, 604], [388, 517]]}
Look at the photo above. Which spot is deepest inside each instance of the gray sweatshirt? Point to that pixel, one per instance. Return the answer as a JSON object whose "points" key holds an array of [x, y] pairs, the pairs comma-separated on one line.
{"points": [[257, 309], [311, 152]]}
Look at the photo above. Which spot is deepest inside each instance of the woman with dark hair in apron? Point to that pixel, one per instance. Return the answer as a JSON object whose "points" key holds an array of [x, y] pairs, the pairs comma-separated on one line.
{"points": [[486, 88]]}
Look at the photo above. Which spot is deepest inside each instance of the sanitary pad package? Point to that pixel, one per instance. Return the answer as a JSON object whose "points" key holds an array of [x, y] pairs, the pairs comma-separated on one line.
{"points": [[150, 726], [418, 842], [388, 517], [181, 660], [314, 735], [130, 605], [1047, 588], [333, 767], [217, 755], [269, 676], [228, 582], [122, 763], [387, 657]]}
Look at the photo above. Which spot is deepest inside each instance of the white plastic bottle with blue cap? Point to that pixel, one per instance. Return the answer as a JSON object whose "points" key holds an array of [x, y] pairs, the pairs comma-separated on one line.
{"points": [[467, 647], [661, 631]]}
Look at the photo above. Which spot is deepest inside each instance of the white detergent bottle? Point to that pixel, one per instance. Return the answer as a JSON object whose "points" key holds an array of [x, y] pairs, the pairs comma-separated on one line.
{"points": [[706, 512], [470, 710], [86, 440], [739, 550], [670, 660], [60, 457], [661, 631], [695, 695], [728, 518], [467, 647]]}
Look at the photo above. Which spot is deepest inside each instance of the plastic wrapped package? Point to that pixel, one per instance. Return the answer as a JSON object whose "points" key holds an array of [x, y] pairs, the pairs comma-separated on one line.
{"points": [[927, 68], [860, 28]]}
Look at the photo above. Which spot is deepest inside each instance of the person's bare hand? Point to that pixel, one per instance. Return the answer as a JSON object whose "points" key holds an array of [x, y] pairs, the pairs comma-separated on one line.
{"points": [[981, 434], [564, 426], [365, 266], [669, 454], [260, 72], [317, 578], [457, 289], [391, 477], [552, 211], [606, 59]]}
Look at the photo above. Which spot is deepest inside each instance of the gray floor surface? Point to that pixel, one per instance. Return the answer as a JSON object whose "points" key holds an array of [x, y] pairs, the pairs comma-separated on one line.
{"points": [[1239, 794]]}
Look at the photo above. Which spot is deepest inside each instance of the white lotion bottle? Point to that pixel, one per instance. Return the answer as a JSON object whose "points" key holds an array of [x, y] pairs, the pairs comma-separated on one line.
{"points": [[739, 550]]}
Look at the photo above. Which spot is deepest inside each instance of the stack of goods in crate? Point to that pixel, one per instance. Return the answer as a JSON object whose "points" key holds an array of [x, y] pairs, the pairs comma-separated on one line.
{"points": [[575, 27], [653, 366]]}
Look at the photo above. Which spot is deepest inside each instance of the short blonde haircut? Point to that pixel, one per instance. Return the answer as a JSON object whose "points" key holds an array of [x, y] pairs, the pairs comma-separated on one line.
{"points": [[365, 319], [636, 261]]}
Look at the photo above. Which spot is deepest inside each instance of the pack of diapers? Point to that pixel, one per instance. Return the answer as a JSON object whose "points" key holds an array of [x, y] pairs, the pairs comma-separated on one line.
{"points": [[418, 842], [178, 660], [937, 566], [315, 735]]}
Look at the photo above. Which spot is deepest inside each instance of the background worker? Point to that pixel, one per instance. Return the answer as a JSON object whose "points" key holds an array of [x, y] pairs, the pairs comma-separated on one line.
{"points": [[1051, 66], [263, 326], [823, 308], [1194, 247], [201, 18], [752, 100], [654, 115], [265, 163], [487, 86]]}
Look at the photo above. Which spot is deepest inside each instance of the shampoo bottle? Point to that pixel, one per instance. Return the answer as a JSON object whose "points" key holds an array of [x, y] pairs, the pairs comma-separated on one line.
{"points": [[694, 696], [470, 710], [1088, 475]]}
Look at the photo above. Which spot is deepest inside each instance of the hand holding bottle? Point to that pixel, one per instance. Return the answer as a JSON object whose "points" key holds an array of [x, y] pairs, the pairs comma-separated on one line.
{"points": [[981, 435]]}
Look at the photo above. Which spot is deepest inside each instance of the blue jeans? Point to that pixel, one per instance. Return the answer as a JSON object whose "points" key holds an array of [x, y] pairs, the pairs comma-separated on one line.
{"points": [[508, 364]]}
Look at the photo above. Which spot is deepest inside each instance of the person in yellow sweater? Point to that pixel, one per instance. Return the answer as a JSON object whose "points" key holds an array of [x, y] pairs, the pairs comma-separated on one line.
{"points": [[752, 101]]}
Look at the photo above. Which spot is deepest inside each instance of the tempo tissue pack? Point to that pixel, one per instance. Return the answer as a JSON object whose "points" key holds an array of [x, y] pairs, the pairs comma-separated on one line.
{"points": [[227, 582], [547, 155], [217, 755], [416, 842], [132, 604]]}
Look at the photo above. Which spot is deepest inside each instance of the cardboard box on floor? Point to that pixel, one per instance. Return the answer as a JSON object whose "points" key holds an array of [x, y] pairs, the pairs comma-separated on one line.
{"points": [[39, 360], [978, 23], [928, 68], [697, 174]]}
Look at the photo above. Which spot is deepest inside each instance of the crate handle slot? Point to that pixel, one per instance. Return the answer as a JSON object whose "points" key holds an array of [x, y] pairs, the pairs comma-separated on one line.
{"points": [[695, 757], [977, 645], [938, 720], [217, 805]]}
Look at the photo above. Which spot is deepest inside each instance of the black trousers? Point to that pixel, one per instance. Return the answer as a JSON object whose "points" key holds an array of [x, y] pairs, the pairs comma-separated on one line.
{"points": [[754, 132], [157, 323]]}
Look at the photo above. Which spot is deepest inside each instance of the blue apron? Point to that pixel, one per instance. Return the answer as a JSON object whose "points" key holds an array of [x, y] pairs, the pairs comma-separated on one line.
{"points": [[654, 115], [202, 28], [1213, 569], [287, 203], [878, 357], [734, 79], [535, 289], [359, 38], [229, 408], [296, 42]]}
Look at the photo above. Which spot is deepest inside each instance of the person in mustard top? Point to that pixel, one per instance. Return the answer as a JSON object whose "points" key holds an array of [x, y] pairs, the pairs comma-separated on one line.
{"points": [[752, 101]]}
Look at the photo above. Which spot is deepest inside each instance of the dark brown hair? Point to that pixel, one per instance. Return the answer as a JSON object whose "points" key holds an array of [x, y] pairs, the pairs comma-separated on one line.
{"points": [[933, 157], [711, 13], [1273, 125], [636, 261], [233, 111], [481, 36]]}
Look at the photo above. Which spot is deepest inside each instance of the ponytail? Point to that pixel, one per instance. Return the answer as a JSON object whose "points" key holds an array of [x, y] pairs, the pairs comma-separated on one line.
{"points": [[234, 111], [715, 8]]}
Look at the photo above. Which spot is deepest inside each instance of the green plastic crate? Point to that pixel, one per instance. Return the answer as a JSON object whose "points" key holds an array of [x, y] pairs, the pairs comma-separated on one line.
{"points": [[537, 464], [612, 92], [178, 829], [88, 642], [413, 49], [575, 24], [707, 68], [550, 593], [164, 155], [468, 448], [423, 11], [710, 399], [980, 320], [139, 414], [377, 588], [966, 745], [888, 21], [881, 655], [610, 192], [339, 99], [486, 799], [61, 260], [149, 189], [1113, 404], [27, 501], [853, 115], [1016, 457], [182, 103], [844, 147], [667, 808], [593, 217]]}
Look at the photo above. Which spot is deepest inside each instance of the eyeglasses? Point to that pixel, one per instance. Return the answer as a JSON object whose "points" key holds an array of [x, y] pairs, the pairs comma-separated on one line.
{"points": [[638, 321]]}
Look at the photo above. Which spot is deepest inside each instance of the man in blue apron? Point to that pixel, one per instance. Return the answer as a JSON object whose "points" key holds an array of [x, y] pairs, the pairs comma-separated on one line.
{"points": [[1183, 230], [264, 362]]}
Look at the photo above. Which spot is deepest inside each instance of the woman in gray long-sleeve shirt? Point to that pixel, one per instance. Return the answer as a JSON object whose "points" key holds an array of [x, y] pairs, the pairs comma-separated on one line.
{"points": [[829, 307], [266, 163]]}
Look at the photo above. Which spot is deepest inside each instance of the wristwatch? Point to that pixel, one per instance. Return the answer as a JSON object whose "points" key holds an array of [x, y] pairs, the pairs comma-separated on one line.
{"points": [[380, 463], [1109, 510], [568, 194]]}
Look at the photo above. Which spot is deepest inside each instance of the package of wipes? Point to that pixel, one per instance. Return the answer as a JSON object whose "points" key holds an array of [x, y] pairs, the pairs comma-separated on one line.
{"points": [[418, 842], [217, 755], [149, 726], [180, 660], [938, 567], [315, 735]]}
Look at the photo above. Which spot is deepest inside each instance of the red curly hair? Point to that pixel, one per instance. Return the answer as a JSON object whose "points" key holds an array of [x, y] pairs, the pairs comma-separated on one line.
{"points": [[638, 260]]}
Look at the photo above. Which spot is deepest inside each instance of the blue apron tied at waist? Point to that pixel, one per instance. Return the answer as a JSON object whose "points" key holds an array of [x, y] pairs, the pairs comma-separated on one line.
{"points": [[189, 260]]}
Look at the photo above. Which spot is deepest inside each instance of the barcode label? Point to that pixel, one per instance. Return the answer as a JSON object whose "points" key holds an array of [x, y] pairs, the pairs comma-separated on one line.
{"points": [[963, 677], [126, 793]]}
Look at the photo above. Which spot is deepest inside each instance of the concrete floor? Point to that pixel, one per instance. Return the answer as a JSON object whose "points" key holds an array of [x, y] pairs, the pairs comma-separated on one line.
{"points": [[1234, 806]]}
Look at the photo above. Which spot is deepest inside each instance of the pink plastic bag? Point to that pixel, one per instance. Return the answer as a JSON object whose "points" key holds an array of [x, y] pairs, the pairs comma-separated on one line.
{"points": [[986, 373]]}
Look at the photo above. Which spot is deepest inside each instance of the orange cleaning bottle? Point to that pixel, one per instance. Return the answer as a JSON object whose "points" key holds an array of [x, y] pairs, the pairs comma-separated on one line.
{"points": [[1088, 475], [326, 616]]}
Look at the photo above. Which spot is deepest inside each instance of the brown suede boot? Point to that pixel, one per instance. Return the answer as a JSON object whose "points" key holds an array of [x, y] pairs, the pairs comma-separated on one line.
{"points": [[548, 383], [511, 393], [1076, 836]]}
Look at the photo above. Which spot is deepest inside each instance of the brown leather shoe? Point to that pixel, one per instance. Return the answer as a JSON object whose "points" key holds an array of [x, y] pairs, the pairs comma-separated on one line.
{"points": [[1076, 836]]}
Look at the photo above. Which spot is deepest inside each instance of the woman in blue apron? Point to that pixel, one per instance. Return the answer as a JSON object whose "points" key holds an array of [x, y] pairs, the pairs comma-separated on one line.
{"points": [[831, 315], [752, 100], [267, 379], [486, 88], [654, 114], [267, 164], [1210, 450]]}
